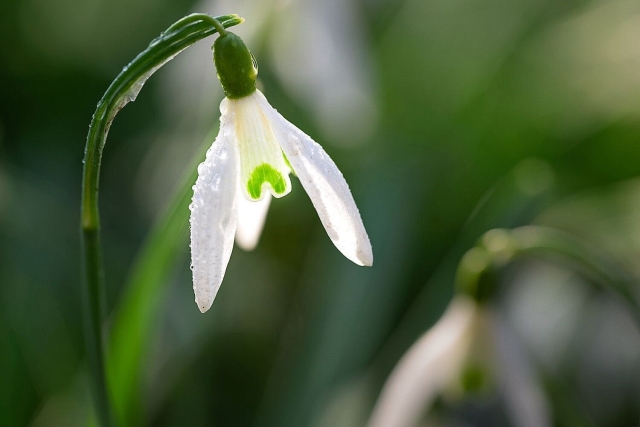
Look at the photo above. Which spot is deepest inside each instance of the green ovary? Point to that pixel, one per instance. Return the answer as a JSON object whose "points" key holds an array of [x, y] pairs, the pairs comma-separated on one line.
{"points": [[265, 173]]}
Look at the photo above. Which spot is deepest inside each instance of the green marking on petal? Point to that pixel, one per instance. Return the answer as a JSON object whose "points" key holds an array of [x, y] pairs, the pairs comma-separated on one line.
{"points": [[265, 173]]}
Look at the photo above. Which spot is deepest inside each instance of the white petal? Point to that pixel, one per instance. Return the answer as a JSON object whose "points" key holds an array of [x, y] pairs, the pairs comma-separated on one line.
{"points": [[251, 218], [523, 394], [426, 368], [214, 214], [325, 185], [262, 165]]}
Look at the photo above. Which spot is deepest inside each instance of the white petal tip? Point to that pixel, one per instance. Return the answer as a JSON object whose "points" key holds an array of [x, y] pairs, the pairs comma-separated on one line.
{"points": [[364, 258], [361, 256], [246, 246], [204, 307], [367, 263], [204, 304]]}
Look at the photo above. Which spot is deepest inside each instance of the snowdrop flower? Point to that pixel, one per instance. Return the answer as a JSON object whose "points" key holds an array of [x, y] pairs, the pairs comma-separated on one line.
{"points": [[469, 340], [469, 336], [471, 348], [248, 163]]}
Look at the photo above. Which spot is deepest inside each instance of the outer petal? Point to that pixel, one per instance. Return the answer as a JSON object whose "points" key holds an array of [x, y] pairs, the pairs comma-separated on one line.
{"points": [[251, 217], [525, 401], [426, 368], [325, 185], [214, 213]]}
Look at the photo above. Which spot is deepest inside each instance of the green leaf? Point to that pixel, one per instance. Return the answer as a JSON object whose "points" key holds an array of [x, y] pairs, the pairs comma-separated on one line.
{"points": [[137, 313]]}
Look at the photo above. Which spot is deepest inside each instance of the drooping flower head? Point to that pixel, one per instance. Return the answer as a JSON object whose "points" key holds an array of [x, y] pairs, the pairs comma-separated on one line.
{"points": [[470, 350], [250, 161]]}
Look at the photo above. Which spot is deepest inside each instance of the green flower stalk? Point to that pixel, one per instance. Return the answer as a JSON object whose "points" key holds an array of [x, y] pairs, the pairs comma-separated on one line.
{"points": [[479, 268], [124, 89]]}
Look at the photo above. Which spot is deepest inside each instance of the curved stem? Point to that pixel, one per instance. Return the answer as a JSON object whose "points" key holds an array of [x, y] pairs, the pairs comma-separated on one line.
{"points": [[499, 247], [219, 28], [124, 89]]}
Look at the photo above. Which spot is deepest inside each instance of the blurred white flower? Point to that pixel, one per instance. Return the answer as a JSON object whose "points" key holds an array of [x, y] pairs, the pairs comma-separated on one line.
{"points": [[245, 160], [468, 335], [323, 61]]}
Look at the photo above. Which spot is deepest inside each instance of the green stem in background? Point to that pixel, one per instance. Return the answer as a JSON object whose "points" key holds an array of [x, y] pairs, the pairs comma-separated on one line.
{"points": [[124, 89], [498, 247]]}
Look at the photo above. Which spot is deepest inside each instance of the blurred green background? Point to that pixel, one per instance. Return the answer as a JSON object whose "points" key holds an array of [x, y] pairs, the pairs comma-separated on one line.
{"points": [[447, 118]]}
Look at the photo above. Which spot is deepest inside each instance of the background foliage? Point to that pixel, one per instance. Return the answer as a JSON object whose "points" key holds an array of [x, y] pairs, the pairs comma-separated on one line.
{"points": [[448, 118]]}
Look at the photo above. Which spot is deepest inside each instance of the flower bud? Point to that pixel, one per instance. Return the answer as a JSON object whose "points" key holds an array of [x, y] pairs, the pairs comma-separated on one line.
{"points": [[236, 67]]}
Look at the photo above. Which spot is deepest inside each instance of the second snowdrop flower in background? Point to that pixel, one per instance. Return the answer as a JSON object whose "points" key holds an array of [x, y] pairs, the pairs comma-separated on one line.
{"points": [[250, 161]]}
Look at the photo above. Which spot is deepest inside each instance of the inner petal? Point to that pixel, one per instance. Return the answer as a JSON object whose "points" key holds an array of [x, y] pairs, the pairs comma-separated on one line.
{"points": [[262, 163]]}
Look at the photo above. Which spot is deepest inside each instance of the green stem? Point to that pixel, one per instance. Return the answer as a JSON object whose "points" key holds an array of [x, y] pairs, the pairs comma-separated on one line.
{"points": [[219, 28], [476, 272], [124, 89]]}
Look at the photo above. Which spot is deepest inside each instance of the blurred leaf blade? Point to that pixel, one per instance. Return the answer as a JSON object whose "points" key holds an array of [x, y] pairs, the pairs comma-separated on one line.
{"points": [[132, 329]]}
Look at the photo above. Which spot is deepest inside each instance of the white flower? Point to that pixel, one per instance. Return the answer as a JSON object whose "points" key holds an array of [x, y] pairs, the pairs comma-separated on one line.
{"points": [[468, 333], [250, 161]]}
